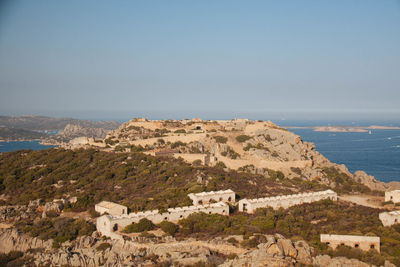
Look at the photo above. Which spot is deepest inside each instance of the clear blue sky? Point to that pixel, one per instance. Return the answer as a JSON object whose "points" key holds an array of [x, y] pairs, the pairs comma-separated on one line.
{"points": [[94, 59]]}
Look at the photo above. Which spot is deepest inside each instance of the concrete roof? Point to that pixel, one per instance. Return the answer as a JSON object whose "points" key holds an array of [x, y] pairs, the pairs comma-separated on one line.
{"points": [[350, 238], [300, 195], [211, 193], [109, 205]]}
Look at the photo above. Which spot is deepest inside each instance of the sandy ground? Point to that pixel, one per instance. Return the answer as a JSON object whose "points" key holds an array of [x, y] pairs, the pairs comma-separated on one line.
{"points": [[5, 225], [364, 200]]}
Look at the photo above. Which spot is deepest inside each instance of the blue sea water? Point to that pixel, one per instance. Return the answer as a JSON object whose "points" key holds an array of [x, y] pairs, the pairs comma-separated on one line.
{"points": [[17, 145], [377, 154]]}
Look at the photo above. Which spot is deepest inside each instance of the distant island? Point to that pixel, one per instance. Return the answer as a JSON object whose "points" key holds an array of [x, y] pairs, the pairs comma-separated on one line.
{"points": [[51, 130]]}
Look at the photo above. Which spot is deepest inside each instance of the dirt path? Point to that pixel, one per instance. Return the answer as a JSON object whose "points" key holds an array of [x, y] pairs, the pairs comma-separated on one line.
{"points": [[364, 200]]}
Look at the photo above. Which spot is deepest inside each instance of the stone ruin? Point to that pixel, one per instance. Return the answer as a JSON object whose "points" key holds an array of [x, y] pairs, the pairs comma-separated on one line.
{"points": [[390, 218], [212, 197], [250, 205], [362, 242], [107, 225], [117, 217], [208, 202], [393, 196]]}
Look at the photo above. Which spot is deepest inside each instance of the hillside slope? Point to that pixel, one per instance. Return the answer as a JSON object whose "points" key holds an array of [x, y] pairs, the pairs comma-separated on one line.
{"points": [[238, 144]]}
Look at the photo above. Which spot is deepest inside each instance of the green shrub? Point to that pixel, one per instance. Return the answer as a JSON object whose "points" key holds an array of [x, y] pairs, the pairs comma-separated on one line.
{"points": [[243, 138], [180, 131], [143, 225], [168, 227], [178, 144], [204, 223], [220, 139], [220, 165], [59, 229]]}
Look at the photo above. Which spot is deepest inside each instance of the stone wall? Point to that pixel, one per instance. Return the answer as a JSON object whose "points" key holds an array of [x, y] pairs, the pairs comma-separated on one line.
{"points": [[210, 197], [362, 242], [107, 225], [250, 205], [393, 196], [390, 218]]}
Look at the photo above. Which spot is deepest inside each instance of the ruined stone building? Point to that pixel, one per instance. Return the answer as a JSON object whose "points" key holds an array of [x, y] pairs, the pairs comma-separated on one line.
{"points": [[117, 217], [362, 242], [110, 208], [107, 225], [250, 205], [393, 196], [390, 218], [212, 197]]}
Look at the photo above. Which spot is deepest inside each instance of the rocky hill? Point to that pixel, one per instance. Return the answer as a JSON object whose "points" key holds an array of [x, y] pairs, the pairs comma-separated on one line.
{"points": [[238, 144], [167, 251]]}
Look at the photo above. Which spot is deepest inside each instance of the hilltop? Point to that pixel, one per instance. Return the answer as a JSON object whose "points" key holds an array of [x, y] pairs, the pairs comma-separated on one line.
{"points": [[239, 144]]}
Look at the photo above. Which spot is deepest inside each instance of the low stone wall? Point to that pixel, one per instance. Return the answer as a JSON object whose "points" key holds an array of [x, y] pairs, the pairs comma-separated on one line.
{"points": [[390, 218], [362, 242], [250, 205], [210, 197], [107, 225]]}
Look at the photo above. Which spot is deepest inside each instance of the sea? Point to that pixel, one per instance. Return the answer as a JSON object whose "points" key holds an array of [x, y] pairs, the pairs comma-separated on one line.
{"points": [[18, 145], [377, 153]]}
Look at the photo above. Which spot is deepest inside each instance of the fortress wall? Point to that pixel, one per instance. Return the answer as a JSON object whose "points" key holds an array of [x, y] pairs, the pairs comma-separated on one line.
{"points": [[185, 138], [209, 197], [107, 225], [362, 242], [250, 205], [393, 196], [390, 218], [273, 165]]}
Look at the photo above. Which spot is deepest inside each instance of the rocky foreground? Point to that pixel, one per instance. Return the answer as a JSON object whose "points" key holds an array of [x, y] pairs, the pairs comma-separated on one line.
{"points": [[97, 251]]}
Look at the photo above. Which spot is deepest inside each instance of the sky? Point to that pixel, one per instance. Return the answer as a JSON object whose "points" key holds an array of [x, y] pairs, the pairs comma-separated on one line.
{"points": [[210, 59]]}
